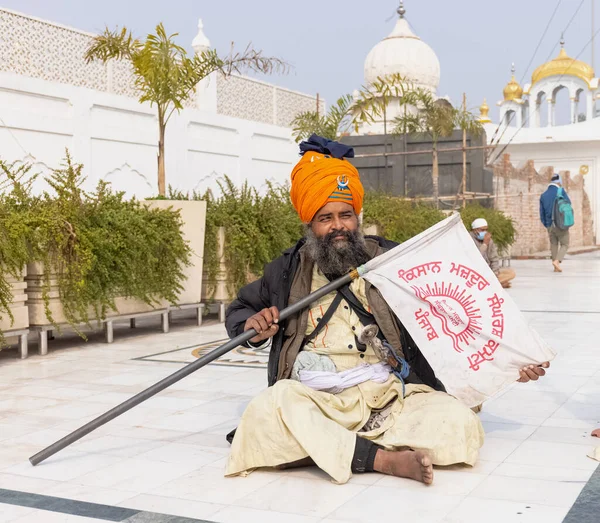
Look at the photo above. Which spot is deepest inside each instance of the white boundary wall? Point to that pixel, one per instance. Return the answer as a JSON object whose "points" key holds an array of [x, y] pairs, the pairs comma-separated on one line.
{"points": [[50, 99], [116, 139]]}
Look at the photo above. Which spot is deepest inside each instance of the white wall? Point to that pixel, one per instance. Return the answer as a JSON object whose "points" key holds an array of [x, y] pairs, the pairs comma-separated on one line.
{"points": [[116, 139]]}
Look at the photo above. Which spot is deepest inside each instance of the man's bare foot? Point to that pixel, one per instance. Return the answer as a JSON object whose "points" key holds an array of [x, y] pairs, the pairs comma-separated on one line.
{"points": [[556, 264], [596, 433], [405, 464]]}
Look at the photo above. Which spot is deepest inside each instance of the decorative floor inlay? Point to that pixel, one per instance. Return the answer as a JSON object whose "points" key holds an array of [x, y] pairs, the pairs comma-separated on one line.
{"points": [[85, 509], [238, 357], [587, 506]]}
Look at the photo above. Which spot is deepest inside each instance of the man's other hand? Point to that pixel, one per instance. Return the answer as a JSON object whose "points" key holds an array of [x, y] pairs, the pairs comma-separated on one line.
{"points": [[265, 323], [487, 238], [533, 372]]}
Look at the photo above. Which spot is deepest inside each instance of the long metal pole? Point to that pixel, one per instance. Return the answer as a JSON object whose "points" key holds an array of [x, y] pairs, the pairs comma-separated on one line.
{"points": [[182, 373]]}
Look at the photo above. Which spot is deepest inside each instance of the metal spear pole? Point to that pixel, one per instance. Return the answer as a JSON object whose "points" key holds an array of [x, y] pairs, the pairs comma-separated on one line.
{"points": [[183, 372]]}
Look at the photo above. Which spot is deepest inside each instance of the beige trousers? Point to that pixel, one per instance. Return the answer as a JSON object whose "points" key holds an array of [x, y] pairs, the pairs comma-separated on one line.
{"points": [[559, 243], [289, 422]]}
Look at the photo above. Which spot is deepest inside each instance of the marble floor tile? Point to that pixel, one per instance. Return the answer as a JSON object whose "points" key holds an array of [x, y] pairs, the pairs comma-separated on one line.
{"points": [[100, 495], [11, 431], [508, 430], [477, 510], [174, 506], [545, 471], [575, 436], [525, 490], [9, 404], [140, 432], [116, 446], [135, 474], [187, 421], [173, 404], [13, 512], [182, 453], [209, 485], [557, 454], [375, 504], [498, 449], [249, 515], [64, 466], [446, 483], [26, 483], [318, 499]]}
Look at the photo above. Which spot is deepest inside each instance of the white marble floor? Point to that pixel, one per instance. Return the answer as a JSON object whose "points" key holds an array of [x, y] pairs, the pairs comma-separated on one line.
{"points": [[167, 455]]}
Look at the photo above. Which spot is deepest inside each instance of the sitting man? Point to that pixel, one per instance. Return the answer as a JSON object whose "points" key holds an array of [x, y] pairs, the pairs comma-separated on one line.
{"points": [[382, 423], [483, 239]]}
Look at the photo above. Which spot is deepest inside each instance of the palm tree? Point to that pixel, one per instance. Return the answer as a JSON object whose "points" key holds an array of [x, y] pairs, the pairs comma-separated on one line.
{"points": [[330, 125], [371, 102], [436, 118], [164, 74]]}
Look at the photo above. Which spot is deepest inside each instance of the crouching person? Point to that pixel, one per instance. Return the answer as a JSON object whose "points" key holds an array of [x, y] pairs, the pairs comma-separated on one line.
{"points": [[483, 239]]}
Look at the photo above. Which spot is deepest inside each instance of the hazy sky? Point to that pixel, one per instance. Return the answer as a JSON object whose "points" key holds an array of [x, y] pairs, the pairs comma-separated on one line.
{"points": [[327, 41]]}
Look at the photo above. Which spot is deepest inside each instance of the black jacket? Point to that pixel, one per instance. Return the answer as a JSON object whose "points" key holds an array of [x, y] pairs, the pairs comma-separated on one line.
{"points": [[273, 289]]}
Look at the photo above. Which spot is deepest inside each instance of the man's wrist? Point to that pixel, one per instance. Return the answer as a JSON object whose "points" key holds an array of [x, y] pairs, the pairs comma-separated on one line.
{"points": [[259, 344]]}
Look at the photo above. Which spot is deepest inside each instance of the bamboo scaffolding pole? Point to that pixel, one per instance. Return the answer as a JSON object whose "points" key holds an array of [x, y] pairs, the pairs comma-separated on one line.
{"points": [[464, 155], [469, 196], [428, 151]]}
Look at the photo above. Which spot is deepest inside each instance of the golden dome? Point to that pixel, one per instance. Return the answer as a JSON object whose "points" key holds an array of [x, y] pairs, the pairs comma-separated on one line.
{"points": [[563, 64], [513, 91], [484, 109]]}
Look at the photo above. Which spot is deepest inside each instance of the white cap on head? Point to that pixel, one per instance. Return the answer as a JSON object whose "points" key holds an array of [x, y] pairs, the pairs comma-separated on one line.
{"points": [[479, 223]]}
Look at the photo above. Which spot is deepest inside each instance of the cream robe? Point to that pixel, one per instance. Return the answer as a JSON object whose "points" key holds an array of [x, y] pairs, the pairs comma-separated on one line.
{"points": [[289, 421]]}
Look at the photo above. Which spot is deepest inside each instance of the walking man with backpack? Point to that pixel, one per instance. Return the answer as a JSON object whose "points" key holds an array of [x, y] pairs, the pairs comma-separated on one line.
{"points": [[556, 214]]}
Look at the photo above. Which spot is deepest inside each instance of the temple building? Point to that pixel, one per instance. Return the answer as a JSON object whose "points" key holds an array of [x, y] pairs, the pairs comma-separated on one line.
{"points": [[528, 127]]}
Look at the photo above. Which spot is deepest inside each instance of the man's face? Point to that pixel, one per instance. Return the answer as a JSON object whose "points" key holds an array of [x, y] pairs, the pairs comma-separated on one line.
{"points": [[481, 229], [334, 240], [332, 218]]}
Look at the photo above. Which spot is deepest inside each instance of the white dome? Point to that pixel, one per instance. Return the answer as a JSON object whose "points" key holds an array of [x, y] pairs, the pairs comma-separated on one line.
{"points": [[201, 42], [405, 53]]}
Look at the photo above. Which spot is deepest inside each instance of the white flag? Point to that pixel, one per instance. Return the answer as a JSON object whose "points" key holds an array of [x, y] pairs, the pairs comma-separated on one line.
{"points": [[469, 329]]}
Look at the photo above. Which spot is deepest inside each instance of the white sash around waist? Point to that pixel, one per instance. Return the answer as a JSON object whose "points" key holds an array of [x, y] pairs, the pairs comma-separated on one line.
{"points": [[336, 382]]}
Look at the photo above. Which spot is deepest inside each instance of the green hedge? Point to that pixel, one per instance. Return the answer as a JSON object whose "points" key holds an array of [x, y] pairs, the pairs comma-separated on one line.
{"points": [[259, 227], [501, 226], [99, 244], [400, 220]]}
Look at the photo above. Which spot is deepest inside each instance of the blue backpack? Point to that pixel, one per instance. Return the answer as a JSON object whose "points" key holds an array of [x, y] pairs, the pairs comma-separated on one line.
{"points": [[562, 212]]}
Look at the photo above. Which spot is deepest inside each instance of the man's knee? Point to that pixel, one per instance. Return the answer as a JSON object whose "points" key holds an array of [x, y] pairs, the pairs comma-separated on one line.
{"points": [[284, 390]]}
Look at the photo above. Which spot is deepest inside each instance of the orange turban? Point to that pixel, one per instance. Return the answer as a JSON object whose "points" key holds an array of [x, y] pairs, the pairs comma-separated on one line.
{"points": [[320, 178]]}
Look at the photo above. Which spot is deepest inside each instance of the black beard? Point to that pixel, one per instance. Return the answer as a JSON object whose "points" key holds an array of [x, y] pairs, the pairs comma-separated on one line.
{"points": [[337, 258]]}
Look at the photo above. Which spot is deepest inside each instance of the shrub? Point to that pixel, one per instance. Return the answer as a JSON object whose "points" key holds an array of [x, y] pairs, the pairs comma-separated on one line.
{"points": [[501, 226], [258, 228], [398, 219], [97, 245]]}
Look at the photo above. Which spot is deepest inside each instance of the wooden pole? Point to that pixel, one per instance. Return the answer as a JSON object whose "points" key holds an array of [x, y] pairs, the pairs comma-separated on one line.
{"points": [[464, 155], [593, 33], [429, 151]]}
